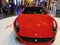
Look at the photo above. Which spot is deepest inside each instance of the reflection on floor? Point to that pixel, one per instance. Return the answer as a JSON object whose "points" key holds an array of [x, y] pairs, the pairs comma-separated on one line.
{"points": [[5, 15], [1, 16], [58, 15]]}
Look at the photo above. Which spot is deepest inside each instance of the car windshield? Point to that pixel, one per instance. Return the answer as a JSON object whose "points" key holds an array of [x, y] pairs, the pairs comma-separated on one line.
{"points": [[33, 10]]}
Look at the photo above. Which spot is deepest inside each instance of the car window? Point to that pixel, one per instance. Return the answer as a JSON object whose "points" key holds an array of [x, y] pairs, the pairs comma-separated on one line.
{"points": [[33, 10]]}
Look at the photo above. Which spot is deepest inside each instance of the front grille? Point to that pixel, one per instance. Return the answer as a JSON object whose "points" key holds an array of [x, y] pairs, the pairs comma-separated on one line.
{"points": [[36, 39]]}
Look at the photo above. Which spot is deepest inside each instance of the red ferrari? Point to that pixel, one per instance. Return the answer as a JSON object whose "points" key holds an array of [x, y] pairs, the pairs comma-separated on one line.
{"points": [[34, 26]]}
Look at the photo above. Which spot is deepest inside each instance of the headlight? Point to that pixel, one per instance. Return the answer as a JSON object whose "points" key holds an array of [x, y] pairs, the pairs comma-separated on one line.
{"points": [[54, 27], [16, 26]]}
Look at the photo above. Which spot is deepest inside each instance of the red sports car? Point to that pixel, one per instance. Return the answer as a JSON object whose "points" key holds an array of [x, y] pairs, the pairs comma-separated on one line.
{"points": [[34, 26]]}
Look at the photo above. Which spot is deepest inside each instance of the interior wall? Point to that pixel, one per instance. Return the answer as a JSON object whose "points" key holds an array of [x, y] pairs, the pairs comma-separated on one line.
{"points": [[58, 5]]}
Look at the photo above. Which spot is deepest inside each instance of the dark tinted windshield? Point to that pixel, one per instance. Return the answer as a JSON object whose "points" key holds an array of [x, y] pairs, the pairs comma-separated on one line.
{"points": [[33, 10]]}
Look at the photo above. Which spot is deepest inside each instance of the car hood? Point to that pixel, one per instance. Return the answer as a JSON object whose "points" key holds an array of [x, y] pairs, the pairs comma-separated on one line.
{"points": [[35, 25]]}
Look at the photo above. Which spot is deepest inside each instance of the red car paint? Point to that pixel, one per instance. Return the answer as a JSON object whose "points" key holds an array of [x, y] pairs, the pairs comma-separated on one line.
{"points": [[35, 26]]}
